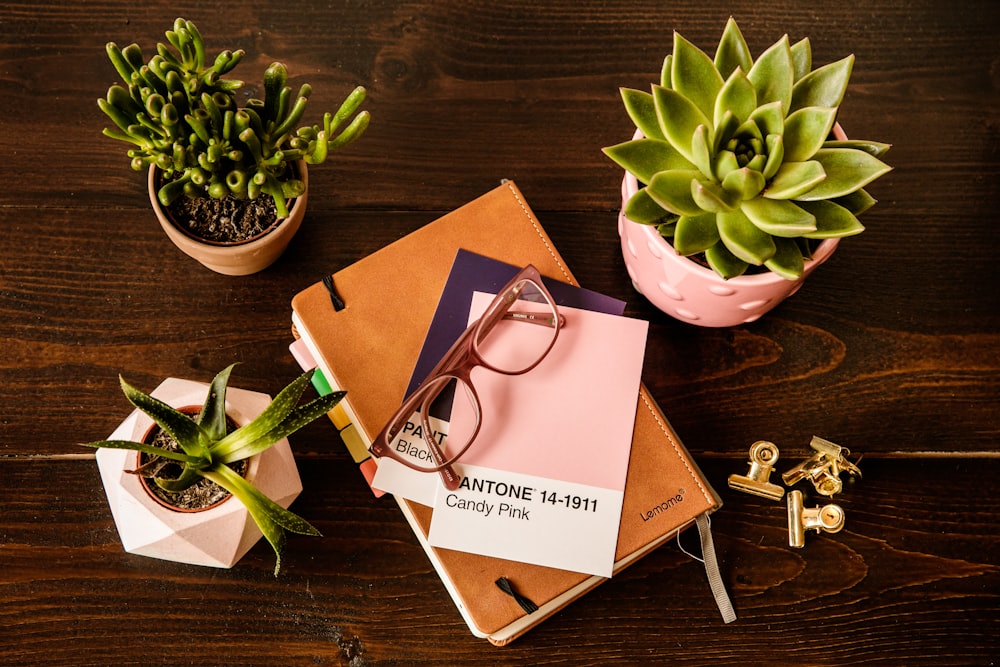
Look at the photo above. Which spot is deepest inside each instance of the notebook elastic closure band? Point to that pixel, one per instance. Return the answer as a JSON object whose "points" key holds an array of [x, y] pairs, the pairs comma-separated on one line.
{"points": [[527, 605], [338, 303]]}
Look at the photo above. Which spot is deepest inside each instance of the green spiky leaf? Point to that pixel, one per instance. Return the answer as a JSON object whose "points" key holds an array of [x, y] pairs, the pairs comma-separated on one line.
{"points": [[823, 87], [642, 111], [672, 190], [801, 58], [188, 434], [642, 209], [272, 415], [772, 74], [846, 170], [694, 234], [724, 262], [271, 518], [876, 148], [769, 118], [744, 239], [744, 184], [694, 76], [732, 52], [701, 151], [805, 132], [787, 261], [679, 118], [296, 419], [180, 457], [644, 158], [713, 197], [738, 96], [725, 162], [832, 220], [794, 179], [775, 155], [779, 217], [857, 202], [665, 71], [213, 413]]}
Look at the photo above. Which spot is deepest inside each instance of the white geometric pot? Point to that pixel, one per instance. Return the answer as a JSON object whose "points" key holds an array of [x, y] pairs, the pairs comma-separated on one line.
{"points": [[218, 536]]}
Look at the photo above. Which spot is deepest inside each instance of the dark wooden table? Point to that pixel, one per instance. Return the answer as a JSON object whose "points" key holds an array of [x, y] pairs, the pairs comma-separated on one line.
{"points": [[892, 348]]}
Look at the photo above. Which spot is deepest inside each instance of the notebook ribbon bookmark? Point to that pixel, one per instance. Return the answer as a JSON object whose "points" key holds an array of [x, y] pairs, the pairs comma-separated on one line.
{"points": [[712, 569]]}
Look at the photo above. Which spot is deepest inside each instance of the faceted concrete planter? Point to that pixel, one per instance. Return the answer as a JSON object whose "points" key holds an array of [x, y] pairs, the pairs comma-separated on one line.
{"points": [[216, 537]]}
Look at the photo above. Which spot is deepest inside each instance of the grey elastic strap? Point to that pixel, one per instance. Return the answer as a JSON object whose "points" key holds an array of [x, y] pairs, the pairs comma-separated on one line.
{"points": [[712, 569]]}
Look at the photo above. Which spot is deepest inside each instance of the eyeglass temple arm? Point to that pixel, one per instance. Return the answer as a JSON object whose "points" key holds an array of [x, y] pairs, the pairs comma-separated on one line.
{"points": [[541, 319], [448, 474]]}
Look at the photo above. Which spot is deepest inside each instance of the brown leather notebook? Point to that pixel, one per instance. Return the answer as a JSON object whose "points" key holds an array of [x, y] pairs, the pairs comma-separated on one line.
{"points": [[365, 327]]}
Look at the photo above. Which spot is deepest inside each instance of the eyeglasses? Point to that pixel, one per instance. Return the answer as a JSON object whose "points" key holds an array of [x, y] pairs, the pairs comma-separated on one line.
{"points": [[501, 341]]}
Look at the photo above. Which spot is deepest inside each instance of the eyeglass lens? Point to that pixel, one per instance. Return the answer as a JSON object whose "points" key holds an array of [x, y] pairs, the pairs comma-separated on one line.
{"points": [[515, 333]]}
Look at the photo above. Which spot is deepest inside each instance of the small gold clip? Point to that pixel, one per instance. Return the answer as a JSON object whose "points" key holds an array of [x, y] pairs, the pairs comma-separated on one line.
{"points": [[823, 468], [829, 519], [763, 455]]}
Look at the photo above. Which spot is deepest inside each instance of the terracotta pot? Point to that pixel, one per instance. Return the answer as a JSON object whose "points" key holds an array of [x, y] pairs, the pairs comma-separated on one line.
{"points": [[218, 536], [245, 257], [693, 293]]}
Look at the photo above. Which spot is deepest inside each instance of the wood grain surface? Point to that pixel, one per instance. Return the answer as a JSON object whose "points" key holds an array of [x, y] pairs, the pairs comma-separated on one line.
{"points": [[891, 349]]}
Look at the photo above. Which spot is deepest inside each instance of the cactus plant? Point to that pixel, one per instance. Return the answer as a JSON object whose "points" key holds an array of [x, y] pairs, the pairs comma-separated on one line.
{"points": [[736, 159], [207, 447], [180, 114]]}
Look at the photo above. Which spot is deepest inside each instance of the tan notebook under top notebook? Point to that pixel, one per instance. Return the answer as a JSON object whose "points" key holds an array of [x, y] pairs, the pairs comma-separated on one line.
{"points": [[368, 345]]}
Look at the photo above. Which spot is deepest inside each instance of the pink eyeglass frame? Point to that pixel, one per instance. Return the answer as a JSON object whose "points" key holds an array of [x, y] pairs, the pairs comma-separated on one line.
{"points": [[457, 364]]}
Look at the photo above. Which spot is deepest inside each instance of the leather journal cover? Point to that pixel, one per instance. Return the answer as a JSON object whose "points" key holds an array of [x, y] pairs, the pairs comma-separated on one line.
{"points": [[365, 327]]}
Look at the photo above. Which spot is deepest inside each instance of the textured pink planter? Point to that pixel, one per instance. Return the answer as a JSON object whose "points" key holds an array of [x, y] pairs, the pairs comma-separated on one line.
{"points": [[693, 293], [236, 259], [216, 537]]}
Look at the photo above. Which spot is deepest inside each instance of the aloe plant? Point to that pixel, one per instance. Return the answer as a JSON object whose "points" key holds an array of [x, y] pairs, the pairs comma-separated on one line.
{"points": [[736, 160], [207, 447], [180, 114]]}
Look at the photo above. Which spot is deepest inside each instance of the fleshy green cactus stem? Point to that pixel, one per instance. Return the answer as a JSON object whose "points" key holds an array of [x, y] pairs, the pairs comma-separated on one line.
{"points": [[181, 115]]}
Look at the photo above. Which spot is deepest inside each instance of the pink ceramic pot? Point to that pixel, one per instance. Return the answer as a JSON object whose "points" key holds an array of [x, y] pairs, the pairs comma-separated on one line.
{"points": [[236, 259], [693, 293]]}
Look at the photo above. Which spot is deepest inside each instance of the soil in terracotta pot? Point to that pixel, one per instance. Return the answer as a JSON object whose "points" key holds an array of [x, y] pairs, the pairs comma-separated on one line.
{"points": [[202, 494], [227, 220]]}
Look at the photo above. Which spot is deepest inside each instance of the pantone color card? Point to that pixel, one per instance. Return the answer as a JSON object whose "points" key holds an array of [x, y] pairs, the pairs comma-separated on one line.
{"points": [[470, 273], [544, 481], [403, 481]]}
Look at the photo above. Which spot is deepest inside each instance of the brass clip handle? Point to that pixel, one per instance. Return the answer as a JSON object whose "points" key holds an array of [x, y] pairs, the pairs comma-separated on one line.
{"points": [[828, 519], [823, 468], [763, 456]]}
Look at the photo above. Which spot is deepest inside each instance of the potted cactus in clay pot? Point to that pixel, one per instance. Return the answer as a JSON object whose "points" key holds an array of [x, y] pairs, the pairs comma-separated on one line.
{"points": [[739, 181], [228, 183], [198, 473]]}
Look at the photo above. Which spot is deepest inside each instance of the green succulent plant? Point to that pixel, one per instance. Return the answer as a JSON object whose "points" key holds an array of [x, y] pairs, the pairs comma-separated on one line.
{"points": [[207, 447], [180, 114], [736, 160]]}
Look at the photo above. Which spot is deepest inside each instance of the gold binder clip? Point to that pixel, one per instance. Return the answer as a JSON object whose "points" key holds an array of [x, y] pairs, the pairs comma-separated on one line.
{"points": [[823, 468], [829, 519], [763, 455]]}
